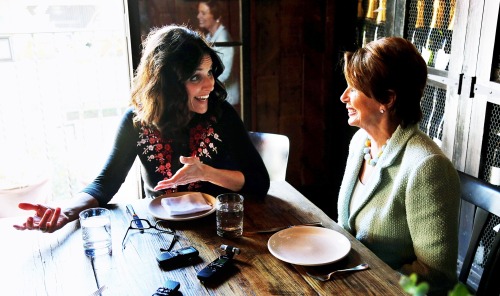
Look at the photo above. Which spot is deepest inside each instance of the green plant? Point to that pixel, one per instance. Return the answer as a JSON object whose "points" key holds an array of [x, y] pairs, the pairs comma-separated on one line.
{"points": [[410, 285]]}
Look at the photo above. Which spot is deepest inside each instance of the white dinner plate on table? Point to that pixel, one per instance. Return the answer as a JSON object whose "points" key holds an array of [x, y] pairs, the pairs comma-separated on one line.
{"points": [[158, 211], [308, 245]]}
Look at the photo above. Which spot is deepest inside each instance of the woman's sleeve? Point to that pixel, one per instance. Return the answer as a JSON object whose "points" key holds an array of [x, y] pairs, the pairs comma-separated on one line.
{"points": [[118, 164], [246, 155], [432, 204]]}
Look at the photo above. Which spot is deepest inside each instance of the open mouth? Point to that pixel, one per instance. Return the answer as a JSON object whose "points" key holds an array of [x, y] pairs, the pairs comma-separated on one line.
{"points": [[350, 111], [203, 98]]}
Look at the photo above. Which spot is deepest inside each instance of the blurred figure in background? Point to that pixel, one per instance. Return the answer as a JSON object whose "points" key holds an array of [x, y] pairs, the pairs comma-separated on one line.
{"points": [[210, 22]]}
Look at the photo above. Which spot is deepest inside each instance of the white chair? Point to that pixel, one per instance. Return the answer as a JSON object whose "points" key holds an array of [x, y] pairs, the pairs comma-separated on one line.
{"points": [[274, 150]]}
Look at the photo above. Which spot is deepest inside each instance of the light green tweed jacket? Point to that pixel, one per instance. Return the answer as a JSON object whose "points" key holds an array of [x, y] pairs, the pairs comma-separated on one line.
{"points": [[409, 213]]}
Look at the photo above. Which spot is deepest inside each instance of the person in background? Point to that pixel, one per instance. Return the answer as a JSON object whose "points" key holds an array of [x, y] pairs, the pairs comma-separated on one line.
{"points": [[210, 22], [400, 194], [187, 137]]}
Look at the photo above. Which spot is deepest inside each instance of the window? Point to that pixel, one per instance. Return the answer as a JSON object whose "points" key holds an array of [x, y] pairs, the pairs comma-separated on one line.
{"points": [[65, 81]]}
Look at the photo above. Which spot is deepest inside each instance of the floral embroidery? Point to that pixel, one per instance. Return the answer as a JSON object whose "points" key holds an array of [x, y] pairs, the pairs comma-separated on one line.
{"points": [[156, 150], [202, 143]]}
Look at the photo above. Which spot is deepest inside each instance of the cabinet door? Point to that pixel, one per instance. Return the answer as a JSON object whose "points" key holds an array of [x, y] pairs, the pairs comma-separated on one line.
{"points": [[477, 130], [432, 26], [482, 151]]}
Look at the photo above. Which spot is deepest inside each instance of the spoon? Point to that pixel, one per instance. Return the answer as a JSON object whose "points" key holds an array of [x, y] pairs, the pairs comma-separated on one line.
{"points": [[326, 277]]}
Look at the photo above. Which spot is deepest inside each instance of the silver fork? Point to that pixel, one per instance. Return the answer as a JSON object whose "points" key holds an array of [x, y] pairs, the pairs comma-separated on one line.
{"points": [[326, 277]]}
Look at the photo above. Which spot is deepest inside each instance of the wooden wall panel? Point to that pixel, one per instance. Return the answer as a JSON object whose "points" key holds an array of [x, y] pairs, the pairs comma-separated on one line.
{"points": [[297, 44]]}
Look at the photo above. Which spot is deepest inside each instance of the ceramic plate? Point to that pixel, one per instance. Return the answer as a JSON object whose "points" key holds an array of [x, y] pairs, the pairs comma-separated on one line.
{"points": [[158, 211], [308, 245]]}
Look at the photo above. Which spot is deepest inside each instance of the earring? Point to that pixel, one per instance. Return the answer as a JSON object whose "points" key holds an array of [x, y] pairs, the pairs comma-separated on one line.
{"points": [[382, 111]]}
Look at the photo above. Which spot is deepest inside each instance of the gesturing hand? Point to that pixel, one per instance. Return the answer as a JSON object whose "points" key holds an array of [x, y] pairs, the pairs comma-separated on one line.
{"points": [[46, 219], [192, 171]]}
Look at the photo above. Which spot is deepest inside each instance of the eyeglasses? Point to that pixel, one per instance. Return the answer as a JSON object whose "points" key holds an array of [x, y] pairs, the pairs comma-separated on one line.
{"points": [[142, 224]]}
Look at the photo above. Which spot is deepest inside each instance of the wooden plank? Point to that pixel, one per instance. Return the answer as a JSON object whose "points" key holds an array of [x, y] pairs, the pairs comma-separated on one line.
{"points": [[29, 266], [267, 103], [473, 33]]}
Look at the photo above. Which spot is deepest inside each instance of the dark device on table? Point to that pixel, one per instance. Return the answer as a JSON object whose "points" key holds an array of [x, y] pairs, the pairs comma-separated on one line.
{"points": [[217, 268], [180, 257], [169, 288]]}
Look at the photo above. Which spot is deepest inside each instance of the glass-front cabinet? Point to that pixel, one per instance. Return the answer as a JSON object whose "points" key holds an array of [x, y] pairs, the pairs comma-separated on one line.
{"points": [[429, 24], [480, 109]]}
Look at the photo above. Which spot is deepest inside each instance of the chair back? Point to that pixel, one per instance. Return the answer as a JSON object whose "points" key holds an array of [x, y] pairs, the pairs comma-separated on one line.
{"points": [[482, 259], [274, 150]]}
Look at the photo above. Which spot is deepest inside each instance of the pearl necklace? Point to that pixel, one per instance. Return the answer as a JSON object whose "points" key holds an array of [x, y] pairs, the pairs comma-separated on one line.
{"points": [[368, 156]]}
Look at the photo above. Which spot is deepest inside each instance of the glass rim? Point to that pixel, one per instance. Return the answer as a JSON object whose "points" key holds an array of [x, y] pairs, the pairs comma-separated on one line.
{"points": [[230, 197], [107, 212]]}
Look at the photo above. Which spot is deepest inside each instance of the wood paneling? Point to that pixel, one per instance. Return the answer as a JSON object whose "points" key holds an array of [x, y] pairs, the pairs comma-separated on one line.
{"points": [[296, 47]]}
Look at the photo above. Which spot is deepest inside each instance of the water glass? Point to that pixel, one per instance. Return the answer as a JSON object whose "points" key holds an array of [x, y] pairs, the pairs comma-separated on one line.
{"points": [[229, 215], [96, 231]]}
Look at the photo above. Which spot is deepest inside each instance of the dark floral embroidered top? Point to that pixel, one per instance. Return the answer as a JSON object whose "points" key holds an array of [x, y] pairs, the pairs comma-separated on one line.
{"points": [[221, 142]]}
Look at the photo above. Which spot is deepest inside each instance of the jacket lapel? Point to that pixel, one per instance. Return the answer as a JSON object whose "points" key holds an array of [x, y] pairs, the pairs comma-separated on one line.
{"points": [[394, 147]]}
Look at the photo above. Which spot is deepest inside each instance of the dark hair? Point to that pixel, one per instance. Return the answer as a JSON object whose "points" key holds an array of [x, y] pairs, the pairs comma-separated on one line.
{"points": [[171, 55], [387, 65]]}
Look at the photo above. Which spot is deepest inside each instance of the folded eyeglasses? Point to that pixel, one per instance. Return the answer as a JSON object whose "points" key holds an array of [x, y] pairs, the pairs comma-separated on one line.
{"points": [[142, 224]]}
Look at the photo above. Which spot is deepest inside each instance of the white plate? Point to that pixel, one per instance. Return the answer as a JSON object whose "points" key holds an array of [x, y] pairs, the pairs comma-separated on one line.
{"points": [[308, 245], [157, 210]]}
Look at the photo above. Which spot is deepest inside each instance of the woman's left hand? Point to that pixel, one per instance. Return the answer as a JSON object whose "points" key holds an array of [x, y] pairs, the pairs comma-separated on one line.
{"points": [[192, 171]]}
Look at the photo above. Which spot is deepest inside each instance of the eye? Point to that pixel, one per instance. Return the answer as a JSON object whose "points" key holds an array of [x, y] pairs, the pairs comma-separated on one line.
{"points": [[195, 78]]}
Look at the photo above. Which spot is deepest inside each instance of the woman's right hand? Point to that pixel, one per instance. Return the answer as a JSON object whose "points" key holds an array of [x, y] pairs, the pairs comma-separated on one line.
{"points": [[46, 219]]}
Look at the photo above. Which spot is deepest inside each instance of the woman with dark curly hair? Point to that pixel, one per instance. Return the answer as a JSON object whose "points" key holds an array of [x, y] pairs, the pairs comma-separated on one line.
{"points": [[186, 136]]}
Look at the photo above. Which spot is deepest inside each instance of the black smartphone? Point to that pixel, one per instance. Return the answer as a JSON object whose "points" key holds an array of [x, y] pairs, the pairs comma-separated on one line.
{"points": [[180, 257], [169, 288]]}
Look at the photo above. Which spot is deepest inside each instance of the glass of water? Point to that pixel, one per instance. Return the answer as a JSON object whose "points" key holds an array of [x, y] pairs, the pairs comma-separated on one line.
{"points": [[229, 215], [96, 231]]}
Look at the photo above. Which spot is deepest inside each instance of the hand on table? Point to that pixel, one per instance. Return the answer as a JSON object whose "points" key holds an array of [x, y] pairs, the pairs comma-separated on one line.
{"points": [[46, 219]]}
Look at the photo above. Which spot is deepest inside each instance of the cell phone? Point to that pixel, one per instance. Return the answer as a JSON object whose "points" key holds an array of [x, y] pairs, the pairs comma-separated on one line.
{"points": [[180, 257], [169, 288]]}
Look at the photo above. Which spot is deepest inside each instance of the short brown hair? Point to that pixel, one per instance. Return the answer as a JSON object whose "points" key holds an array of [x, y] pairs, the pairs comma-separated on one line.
{"points": [[385, 65]]}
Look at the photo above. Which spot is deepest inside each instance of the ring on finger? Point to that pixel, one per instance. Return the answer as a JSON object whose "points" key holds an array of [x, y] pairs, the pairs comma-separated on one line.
{"points": [[43, 229]]}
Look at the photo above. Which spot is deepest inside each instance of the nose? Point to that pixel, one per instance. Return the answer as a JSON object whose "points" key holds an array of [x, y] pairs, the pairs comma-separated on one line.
{"points": [[344, 97], [208, 83]]}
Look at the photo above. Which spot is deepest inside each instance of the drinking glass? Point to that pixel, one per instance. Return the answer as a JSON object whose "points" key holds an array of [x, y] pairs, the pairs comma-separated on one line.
{"points": [[229, 215], [96, 231]]}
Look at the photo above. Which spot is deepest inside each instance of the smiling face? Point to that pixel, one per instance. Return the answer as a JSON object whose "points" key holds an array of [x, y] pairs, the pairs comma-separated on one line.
{"points": [[363, 111], [205, 17], [199, 86]]}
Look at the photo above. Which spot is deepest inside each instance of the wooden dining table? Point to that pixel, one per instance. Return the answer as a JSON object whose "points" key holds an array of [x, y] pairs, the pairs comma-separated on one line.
{"points": [[35, 263]]}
